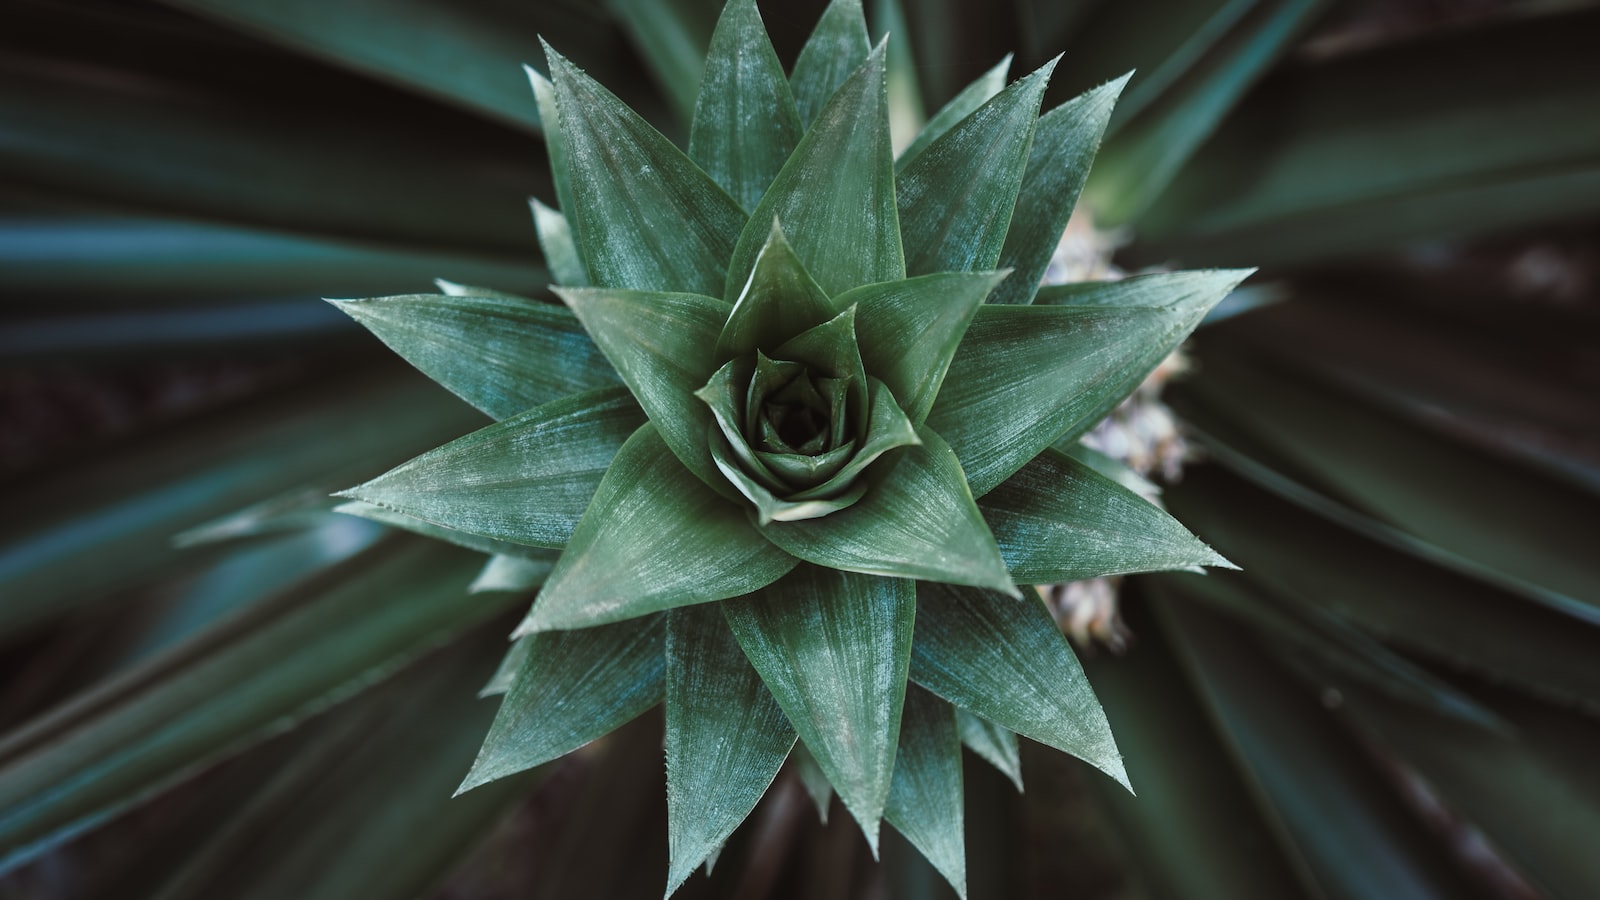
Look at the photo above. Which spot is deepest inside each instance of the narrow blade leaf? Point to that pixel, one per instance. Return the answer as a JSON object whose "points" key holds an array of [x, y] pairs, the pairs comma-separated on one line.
{"points": [[925, 796], [837, 46], [573, 687], [500, 353], [1005, 661], [1058, 520], [526, 480], [835, 195], [1026, 377], [646, 217], [745, 122], [956, 199], [834, 649], [1064, 144], [960, 106], [658, 343], [726, 738], [653, 538], [917, 522]]}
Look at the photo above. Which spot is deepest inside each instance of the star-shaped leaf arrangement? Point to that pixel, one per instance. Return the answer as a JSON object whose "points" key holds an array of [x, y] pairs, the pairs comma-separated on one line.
{"points": [[789, 462]]}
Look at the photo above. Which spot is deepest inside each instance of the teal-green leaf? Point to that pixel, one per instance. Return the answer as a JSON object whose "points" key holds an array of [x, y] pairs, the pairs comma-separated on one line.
{"points": [[960, 106], [654, 537], [1005, 661], [925, 796], [726, 738], [1058, 520], [573, 687], [501, 354], [918, 521], [516, 656], [909, 330], [835, 195], [644, 215], [996, 745], [1025, 377], [525, 480], [837, 46], [671, 37], [555, 145], [956, 199], [1064, 144], [661, 345], [560, 249], [833, 647], [467, 539], [778, 302], [745, 122]]}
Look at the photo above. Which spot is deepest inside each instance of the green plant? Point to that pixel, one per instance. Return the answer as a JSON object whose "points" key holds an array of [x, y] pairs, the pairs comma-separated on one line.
{"points": [[1393, 699], [823, 426]]}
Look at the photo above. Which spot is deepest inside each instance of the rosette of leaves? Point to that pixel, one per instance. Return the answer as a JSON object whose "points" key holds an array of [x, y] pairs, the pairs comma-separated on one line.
{"points": [[789, 465]]}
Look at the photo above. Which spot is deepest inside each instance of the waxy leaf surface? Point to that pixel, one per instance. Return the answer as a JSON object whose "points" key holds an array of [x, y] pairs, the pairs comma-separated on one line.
{"points": [[745, 122], [925, 797], [1064, 144], [1006, 661], [837, 46], [526, 480], [835, 195], [644, 215], [833, 647], [573, 687], [1058, 520], [654, 537], [500, 353], [726, 737], [956, 198]]}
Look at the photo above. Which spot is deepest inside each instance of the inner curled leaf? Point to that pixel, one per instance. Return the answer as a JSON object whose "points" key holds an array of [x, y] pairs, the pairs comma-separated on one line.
{"points": [[795, 431]]}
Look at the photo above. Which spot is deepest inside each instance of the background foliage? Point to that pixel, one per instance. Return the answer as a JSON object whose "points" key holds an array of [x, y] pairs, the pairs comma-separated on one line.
{"points": [[1396, 698]]}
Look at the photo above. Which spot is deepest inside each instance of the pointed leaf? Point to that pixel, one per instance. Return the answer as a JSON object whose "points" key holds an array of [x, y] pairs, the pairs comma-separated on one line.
{"points": [[960, 106], [837, 46], [555, 146], [560, 250], [778, 302], [659, 344], [925, 797], [645, 216], [726, 738], [501, 354], [653, 538], [525, 480], [919, 521], [465, 539], [956, 199], [745, 122], [833, 647], [906, 111], [1027, 377], [1064, 144], [997, 745], [909, 330], [1058, 520], [573, 687], [1005, 661], [835, 195]]}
